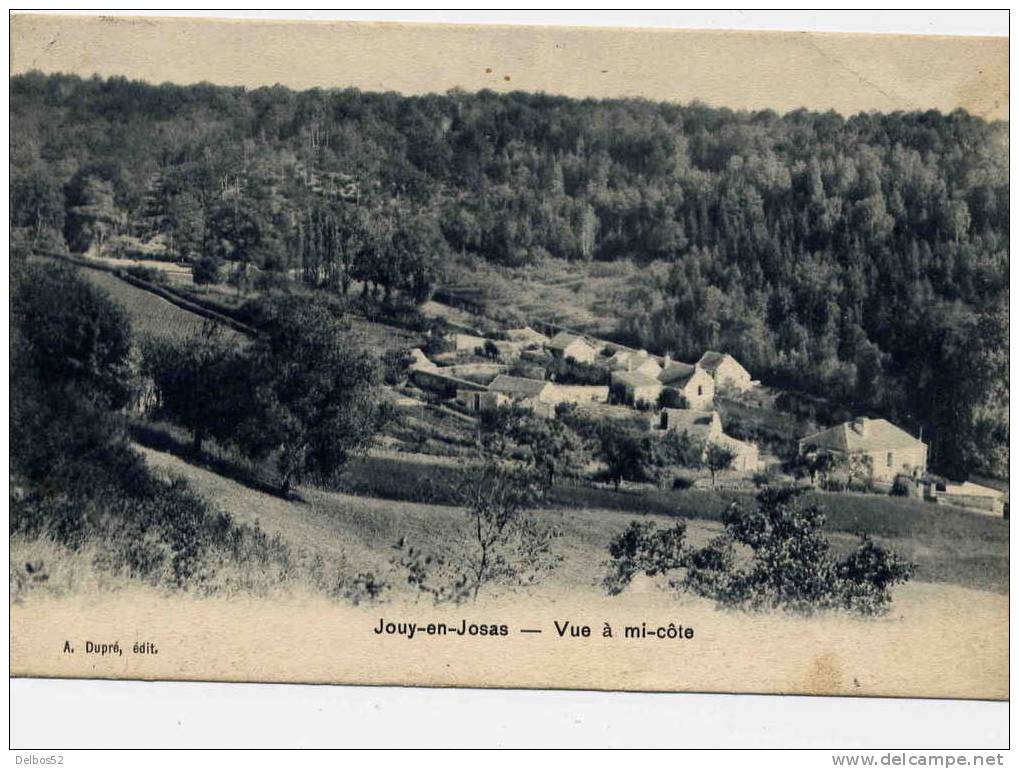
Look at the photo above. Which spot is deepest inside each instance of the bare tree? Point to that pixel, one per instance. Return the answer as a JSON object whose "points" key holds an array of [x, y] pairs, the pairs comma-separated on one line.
{"points": [[502, 541]]}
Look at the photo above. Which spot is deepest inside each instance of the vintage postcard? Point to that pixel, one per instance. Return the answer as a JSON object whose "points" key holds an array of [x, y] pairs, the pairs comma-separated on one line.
{"points": [[498, 356]]}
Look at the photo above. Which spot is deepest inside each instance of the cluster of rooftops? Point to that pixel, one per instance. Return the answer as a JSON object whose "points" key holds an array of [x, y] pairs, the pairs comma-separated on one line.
{"points": [[640, 378]]}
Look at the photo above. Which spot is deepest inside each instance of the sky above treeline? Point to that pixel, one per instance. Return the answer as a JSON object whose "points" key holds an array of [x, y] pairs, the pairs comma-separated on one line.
{"points": [[741, 70]]}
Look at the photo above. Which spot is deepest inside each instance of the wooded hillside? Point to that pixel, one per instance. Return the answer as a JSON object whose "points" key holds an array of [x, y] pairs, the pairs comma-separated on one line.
{"points": [[863, 258]]}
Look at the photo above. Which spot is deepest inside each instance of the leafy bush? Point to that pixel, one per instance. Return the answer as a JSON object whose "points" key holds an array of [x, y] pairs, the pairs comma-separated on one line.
{"points": [[148, 274], [198, 382], [301, 394], [903, 486], [642, 547], [69, 333], [788, 563], [489, 350], [207, 271], [394, 367], [671, 398], [438, 344], [627, 454]]}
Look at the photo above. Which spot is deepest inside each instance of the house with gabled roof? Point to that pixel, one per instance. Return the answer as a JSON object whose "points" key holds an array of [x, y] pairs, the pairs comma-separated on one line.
{"points": [[691, 381], [635, 361], [890, 450], [571, 347], [726, 371], [706, 426], [519, 388], [637, 388]]}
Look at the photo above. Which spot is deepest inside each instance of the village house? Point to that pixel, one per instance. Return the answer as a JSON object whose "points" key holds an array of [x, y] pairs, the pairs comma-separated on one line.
{"points": [[890, 450], [481, 373], [548, 393], [439, 381], [634, 361], [571, 347], [519, 388], [540, 356], [534, 394], [726, 371], [692, 382], [706, 426], [637, 388]]}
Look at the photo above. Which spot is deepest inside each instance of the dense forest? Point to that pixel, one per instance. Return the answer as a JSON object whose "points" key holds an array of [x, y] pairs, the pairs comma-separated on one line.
{"points": [[861, 258]]}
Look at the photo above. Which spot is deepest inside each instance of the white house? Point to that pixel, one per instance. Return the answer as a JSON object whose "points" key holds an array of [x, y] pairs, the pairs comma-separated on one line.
{"points": [[637, 387], [635, 361], [706, 426], [726, 371], [695, 384], [571, 347], [889, 449]]}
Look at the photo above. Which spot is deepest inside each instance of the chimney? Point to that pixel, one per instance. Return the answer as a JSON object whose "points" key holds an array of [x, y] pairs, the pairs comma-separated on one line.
{"points": [[860, 425], [668, 360]]}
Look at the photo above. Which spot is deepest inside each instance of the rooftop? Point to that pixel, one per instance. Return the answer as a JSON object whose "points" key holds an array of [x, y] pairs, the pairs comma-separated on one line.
{"points": [[518, 386], [634, 379], [712, 360], [677, 373], [563, 339], [863, 434]]}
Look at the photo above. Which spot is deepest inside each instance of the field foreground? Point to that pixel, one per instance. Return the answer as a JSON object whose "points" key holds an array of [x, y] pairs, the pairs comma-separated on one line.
{"points": [[961, 549], [938, 641]]}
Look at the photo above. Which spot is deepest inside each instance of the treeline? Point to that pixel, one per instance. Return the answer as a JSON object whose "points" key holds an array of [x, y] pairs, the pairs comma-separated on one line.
{"points": [[74, 477], [862, 258], [298, 397]]}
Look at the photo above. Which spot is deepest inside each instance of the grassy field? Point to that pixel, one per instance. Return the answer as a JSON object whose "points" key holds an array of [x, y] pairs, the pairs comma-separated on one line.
{"points": [[150, 314], [948, 545], [408, 487], [592, 297]]}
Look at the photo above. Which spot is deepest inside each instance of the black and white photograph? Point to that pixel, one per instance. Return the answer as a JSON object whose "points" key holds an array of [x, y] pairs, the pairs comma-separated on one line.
{"points": [[518, 357]]}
